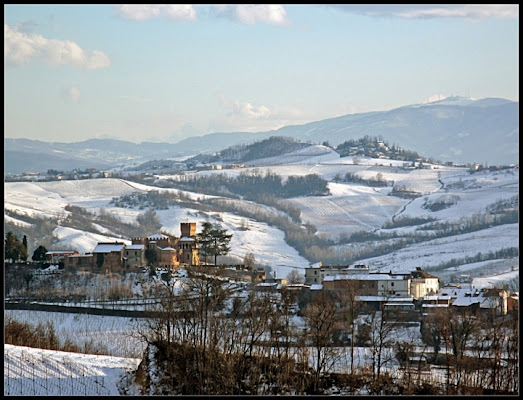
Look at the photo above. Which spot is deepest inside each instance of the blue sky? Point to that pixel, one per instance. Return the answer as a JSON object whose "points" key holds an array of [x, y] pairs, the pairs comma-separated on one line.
{"points": [[164, 73]]}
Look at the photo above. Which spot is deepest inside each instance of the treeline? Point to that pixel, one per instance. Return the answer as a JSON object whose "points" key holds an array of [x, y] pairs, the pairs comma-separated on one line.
{"points": [[377, 181], [271, 147], [509, 252], [44, 336], [81, 219], [251, 186], [407, 221]]}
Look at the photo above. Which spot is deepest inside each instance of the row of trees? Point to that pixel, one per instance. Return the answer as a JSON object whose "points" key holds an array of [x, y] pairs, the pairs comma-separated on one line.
{"points": [[253, 185]]}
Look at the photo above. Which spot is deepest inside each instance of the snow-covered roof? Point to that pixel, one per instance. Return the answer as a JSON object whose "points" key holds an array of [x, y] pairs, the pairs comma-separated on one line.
{"points": [[60, 252], [186, 239], [400, 300], [434, 305], [167, 249], [157, 236], [365, 277], [80, 255], [108, 247], [372, 298], [317, 287], [135, 247]]}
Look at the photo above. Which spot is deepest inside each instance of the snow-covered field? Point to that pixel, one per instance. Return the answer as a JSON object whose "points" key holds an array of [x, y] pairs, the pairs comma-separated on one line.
{"points": [[349, 208], [38, 372]]}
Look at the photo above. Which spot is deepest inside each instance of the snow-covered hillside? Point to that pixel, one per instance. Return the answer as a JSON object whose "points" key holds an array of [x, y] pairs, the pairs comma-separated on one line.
{"points": [[349, 208]]}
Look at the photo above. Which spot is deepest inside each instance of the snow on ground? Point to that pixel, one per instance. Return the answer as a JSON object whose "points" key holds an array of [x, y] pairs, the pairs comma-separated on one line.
{"points": [[116, 335], [472, 191], [17, 221], [437, 251], [37, 372], [349, 208], [496, 280], [81, 241], [266, 243], [29, 198]]}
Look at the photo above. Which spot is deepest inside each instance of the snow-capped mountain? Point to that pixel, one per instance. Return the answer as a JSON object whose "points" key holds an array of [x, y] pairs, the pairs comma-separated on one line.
{"points": [[458, 129]]}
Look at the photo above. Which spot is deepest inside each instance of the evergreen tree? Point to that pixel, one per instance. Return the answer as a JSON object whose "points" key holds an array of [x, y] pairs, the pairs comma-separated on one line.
{"points": [[23, 253], [39, 254], [205, 240], [213, 241], [13, 248], [150, 256]]}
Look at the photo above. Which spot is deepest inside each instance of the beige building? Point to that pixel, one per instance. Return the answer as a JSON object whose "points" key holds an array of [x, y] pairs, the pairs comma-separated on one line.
{"points": [[372, 284], [423, 283], [134, 256], [316, 273]]}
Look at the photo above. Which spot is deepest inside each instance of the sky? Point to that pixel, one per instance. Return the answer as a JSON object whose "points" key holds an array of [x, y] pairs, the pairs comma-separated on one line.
{"points": [[163, 73]]}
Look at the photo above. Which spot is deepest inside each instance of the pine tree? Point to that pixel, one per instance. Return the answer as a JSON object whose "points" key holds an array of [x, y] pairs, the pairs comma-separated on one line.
{"points": [[13, 248], [23, 250], [39, 254], [213, 241]]}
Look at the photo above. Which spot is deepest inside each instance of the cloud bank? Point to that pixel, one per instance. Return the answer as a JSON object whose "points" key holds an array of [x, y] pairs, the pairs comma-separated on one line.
{"points": [[273, 14], [469, 11], [142, 12], [21, 48]]}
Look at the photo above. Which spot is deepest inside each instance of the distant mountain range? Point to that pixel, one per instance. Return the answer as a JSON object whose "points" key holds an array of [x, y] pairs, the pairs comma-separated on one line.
{"points": [[454, 129]]}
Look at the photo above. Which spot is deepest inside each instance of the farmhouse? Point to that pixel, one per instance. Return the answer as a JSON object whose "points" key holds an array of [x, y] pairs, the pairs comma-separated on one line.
{"points": [[79, 261], [317, 272], [109, 256], [372, 284], [134, 255], [55, 256]]}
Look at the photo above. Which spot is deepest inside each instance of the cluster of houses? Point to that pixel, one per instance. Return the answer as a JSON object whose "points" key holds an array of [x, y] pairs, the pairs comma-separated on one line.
{"points": [[169, 252], [413, 295]]}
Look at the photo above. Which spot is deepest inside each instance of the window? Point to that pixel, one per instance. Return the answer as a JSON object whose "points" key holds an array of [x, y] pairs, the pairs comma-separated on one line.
{"points": [[392, 284], [315, 272]]}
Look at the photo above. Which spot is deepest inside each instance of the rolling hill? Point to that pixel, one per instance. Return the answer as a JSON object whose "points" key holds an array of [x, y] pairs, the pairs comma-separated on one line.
{"points": [[455, 129], [455, 215]]}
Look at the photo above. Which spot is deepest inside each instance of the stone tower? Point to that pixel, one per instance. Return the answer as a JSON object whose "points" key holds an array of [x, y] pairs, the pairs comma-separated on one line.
{"points": [[188, 229]]}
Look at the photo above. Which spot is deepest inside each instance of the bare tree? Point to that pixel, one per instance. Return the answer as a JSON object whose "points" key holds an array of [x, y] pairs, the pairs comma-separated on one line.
{"points": [[294, 277], [321, 319]]}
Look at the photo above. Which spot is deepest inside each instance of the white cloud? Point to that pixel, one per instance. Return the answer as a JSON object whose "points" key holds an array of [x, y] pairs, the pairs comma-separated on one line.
{"points": [[274, 14], [469, 11], [141, 12], [20, 48], [247, 110]]}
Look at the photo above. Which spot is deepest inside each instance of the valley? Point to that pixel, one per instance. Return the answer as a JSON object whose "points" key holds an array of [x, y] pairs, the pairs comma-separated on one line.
{"points": [[351, 224]]}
